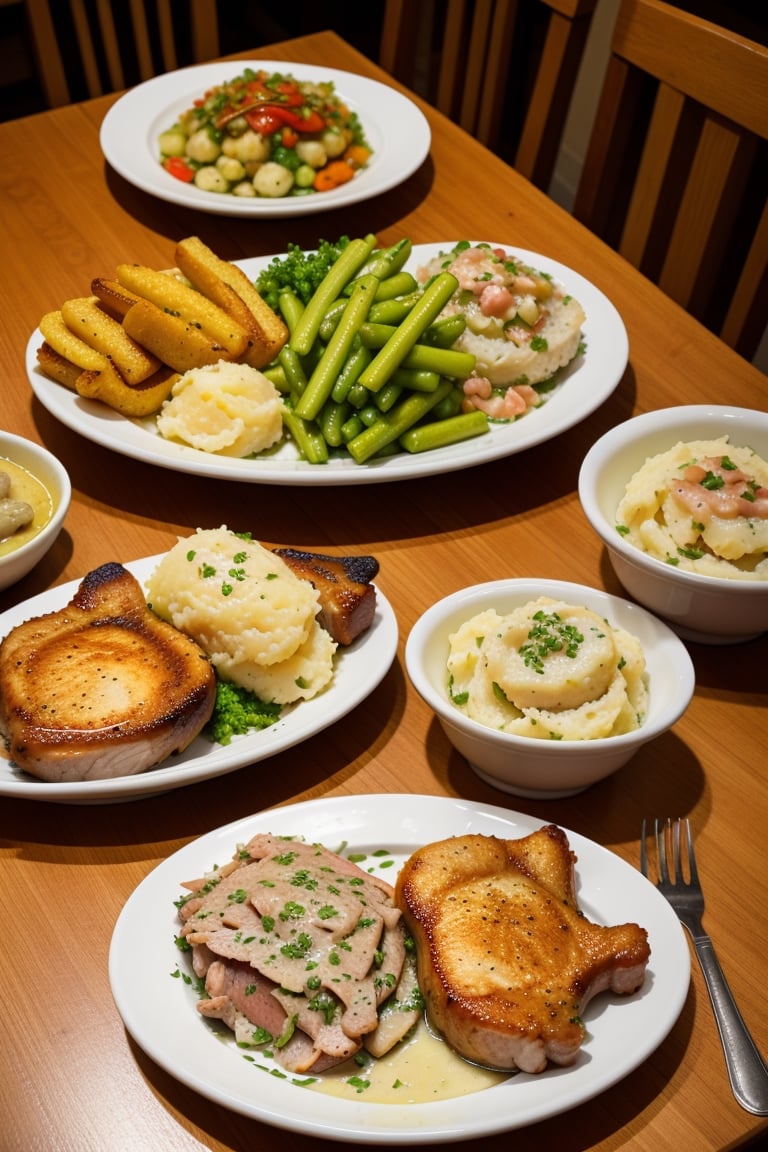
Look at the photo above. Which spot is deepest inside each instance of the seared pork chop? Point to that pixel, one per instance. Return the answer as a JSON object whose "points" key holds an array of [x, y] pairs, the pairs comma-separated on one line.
{"points": [[102, 687], [506, 960]]}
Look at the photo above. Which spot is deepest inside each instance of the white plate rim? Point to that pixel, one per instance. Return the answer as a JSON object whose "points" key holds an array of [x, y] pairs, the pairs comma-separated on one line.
{"points": [[585, 385], [611, 891], [396, 128], [359, 669]]}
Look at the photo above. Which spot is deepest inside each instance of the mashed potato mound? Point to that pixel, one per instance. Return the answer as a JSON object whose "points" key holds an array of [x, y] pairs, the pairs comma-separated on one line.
{"points": [[252, 615], [229, 409], [683, 508], [548, 670]]}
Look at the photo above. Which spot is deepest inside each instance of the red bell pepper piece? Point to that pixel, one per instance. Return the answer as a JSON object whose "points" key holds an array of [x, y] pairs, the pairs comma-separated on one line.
{"points": [[178, 167], [268, 118]]}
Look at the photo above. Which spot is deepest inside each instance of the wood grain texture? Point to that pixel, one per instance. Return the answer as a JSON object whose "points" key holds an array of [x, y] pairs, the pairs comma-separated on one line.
{"points": [[70, 1078]]}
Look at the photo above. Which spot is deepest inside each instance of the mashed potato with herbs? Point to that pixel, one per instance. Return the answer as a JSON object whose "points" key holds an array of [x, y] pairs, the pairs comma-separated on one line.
{"points": [[703, 507], [230, 409], [252, 615], [549, 670]]}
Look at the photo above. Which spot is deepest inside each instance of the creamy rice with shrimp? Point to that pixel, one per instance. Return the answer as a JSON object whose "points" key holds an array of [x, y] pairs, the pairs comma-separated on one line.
{"points": [[522, 326]]}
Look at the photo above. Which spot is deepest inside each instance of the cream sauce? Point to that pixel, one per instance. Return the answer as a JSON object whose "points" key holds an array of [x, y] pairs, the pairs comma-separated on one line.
{"points": [[26, 487], [421, 1069]]}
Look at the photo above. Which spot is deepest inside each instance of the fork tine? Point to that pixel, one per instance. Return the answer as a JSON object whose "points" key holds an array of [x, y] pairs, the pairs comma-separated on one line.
{"points": [[692, 870], [661, 850], [643, 853]]}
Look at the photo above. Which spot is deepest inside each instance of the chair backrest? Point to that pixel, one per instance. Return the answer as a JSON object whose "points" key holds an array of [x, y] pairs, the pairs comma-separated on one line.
{"points": [[503, 69], [675, 175], [85, 50]]}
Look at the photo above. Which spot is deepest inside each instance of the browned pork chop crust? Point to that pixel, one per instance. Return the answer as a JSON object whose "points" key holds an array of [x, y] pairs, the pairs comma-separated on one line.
{"points": [[506, 960], [102, 687], [343, 583]]}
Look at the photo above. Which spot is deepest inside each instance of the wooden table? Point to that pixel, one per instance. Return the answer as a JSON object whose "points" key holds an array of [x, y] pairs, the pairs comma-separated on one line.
{"points": [[70, 1079]]}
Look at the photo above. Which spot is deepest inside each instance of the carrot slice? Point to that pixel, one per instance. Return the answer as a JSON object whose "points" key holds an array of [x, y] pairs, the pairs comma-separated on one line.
{"points": [[336, 173], [357, 155]]}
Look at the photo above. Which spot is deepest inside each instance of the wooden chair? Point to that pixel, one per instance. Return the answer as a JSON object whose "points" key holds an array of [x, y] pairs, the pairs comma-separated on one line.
{"points": [[503, 69], [85, 49], [676, 172]]}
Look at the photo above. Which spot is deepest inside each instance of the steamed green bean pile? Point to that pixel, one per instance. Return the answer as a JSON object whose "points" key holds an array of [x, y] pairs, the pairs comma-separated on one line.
{"points": [[369, 368]]}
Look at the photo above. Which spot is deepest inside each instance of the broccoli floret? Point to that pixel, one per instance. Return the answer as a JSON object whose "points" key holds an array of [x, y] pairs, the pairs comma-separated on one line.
{"points": [[299, 270], [236, 711]]}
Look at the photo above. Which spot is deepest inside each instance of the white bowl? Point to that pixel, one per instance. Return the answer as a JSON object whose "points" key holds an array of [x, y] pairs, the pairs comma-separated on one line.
{"points": [[707, 609], [535, 768], [52, 474]]}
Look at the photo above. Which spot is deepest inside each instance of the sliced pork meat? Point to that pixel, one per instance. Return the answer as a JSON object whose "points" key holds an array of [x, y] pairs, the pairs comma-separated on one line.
{"points": [[301, 949]]}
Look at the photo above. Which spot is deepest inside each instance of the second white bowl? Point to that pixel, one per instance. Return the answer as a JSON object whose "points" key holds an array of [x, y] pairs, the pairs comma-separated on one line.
{"points": [[530, 767]]}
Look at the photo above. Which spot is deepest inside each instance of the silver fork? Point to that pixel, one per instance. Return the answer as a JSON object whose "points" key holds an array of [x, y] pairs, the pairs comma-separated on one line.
{"points": [[747, 1070]]}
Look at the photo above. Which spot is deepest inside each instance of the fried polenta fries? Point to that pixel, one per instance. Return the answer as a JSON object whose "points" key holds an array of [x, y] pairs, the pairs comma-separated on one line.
{"points": [[70, 360], [95, 327], [230, 288], [127, 342], [177, 341]]}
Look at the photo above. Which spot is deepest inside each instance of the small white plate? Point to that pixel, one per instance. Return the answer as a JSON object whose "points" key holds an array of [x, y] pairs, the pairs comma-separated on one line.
{"points": [[583, 386], [395, 128], [159, 1012], [359, 669]]}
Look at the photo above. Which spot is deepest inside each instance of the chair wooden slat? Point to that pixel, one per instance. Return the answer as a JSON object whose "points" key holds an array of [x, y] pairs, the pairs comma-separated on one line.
{"points": [[468, 51], [681, 192], [101, 52]]}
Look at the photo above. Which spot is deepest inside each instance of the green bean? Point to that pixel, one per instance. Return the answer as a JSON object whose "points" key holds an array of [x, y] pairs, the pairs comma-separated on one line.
{"points": [[330, 320], [275, 374], [391, 356], [450, 405], [306, 436], [445, 331], [444, 361], [332, 419], [438, 433], [399, 284], [320, 383], [351, 428], [376, 335], [290, 307], [392, 311], [393, 424], [293, 370], [441, 334], [389, 260], [369, 415], [343, 269], [422, 357], [356, 360], [387, 396], [415, 379], [358, 395]]}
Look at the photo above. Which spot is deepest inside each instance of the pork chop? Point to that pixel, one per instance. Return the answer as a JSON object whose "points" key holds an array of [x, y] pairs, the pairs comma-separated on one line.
{"points": [[506, 960], [102, 687]]}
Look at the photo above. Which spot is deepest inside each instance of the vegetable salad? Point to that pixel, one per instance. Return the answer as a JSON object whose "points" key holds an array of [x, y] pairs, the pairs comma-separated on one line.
{"points": [[266, 134]]}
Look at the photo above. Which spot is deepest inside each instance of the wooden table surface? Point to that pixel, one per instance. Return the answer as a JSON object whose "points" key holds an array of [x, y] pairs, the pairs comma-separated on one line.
{"points": [[70, 1077]]}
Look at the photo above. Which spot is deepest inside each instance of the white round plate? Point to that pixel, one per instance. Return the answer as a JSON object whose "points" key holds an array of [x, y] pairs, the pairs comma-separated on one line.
{"points": [[160, 1015], [396, 130], [584, 385], [359, 669]]}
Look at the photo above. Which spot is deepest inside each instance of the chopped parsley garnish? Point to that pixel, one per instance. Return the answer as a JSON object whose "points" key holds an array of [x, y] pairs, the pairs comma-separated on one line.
{"points": [[549, 634]]}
